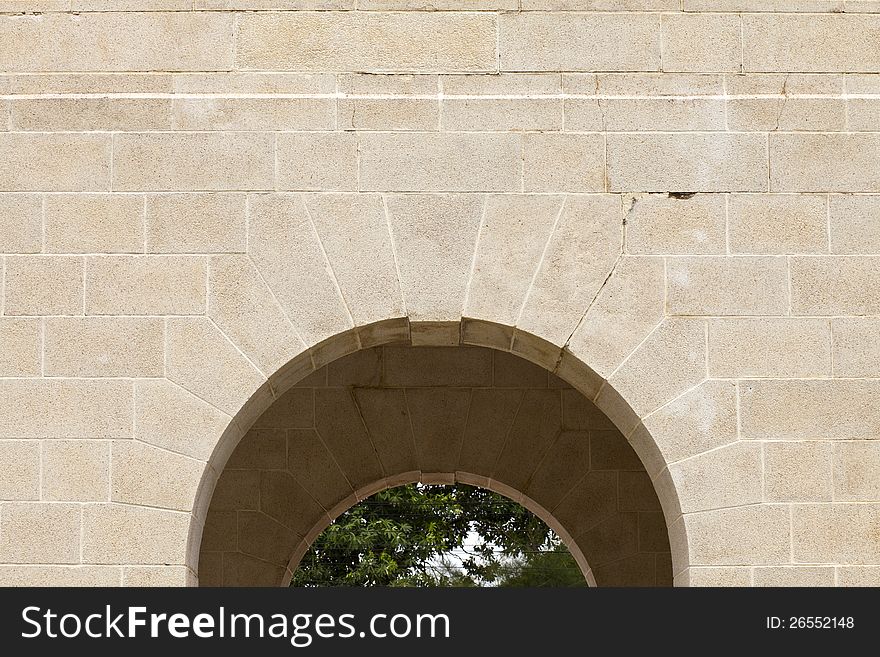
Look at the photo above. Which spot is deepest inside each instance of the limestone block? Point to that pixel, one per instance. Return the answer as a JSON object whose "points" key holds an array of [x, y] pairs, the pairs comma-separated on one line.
{"points": [[787, 42], [749, 285], [434, 241], [374, 42], [778, 223], [35, 533], [501, 114], [438, 417], [63, 162], [20, 478], [340, 426], [354, 234], [170, 417], [563, 163], [513, 235], [835, 285], [695, 162], [856, 346], [21, 575], [94, 223], [20, 351], [195, 223], [254, 114], [317, 161], [835, 533], [173, 41], [68, 408], [576, 263], [145, 285], [724, 477], [99, 346], [660, 224], [21, 218], [794, 576], [433, 162], [787, 114], [661, 114], [419, 114], [769, 347], [287, 252], [702, 42], [809, 409], [853, 224], [147, 475], [669, 362], [542, 42], [118, 533], [90, 114], [824, 162], [757, 535], [857, 471], [625, 311], [193, 161], [76, 470], [243, 307], [202, 360]]}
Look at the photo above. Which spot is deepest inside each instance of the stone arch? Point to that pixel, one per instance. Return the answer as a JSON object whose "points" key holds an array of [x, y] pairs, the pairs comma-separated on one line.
{"points": [[378, 418]]}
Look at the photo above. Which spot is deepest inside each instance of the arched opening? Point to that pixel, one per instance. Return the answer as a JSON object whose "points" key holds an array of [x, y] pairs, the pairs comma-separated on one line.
{"points": [[388, 415], [437, 535]]}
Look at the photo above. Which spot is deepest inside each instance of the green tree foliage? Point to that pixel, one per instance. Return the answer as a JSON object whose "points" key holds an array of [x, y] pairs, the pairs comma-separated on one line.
{"points": [[421, 535]]}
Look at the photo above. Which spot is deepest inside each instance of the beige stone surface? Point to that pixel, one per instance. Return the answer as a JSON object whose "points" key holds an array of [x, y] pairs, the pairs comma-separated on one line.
{"points": [[117, 42], [119, 533], [242, 305], [20, 353], [835, 533], [626, 309], [193, 161], [423, 226], [778, 223], [782, 42], [98, 346], [702, 42], [223, 224], [541, 42], [577, 260], [150, 476], [808, 409], [852, 223], [856, 341], [286, 250], [377, 42], [747, 285], [696, 162], [769, 347], [20, 223], [513, 236], [20, 478], [217, 372], [65, 408], [430, 162], [317, 161], [856, 469], [35, 533], [170, 417], [90, 114], [195, 223], [659, 224], [55, 162], [145, 285], [94, 223], [563, 163], [834, 285], [824, 162], [76, 470]]}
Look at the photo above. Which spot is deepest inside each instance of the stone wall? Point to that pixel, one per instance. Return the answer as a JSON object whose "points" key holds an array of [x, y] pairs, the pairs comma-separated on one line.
{"points": [[674, 206]]}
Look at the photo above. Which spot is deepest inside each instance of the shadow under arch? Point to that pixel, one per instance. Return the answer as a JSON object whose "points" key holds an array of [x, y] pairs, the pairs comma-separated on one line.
{"points": [[467, 332]]}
